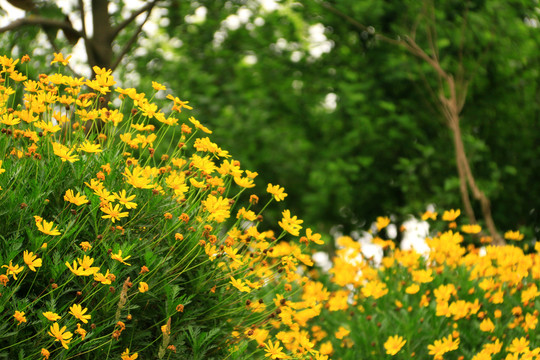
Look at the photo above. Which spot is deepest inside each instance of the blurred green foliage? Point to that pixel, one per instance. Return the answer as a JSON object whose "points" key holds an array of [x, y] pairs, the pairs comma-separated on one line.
{"points": [[384, 147]]}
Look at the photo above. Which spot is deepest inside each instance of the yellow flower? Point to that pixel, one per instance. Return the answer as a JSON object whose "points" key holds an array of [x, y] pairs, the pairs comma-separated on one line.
{"points": [[80, 331], [85, 245], [239, 285], [342, 332], [19, 316], [451, 215], [471, 229], [77, 311], [75, 199], [31, 261], [13, 269], [513, 235], [51, 316], [487, 325], [47, 227], [382, 222], [291, 225], [198, 125], [64, 153], [244, 182], [429, 215], [277, 192], [126, 356], [143, 287], [58, 57], [45, 353], [113, 213], [412, 289], [157, 86], [60, 334], [273, 350], [118, 257], [125, 200], [394, 344], [89, 147]]}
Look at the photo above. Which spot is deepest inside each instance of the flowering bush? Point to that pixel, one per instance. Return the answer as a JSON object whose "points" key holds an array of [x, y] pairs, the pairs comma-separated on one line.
{"points": [[454, 300], [113, 248]]}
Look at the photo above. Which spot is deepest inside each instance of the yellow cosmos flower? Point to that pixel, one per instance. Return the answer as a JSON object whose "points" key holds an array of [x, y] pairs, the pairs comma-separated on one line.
{"points": [[51, 316], [290, 224], [127, 356], [451, 215], [118, 257], [394, 344], [77, 311], [143, 287], [342, 332], [513, 235], [13, 269], [59, 58], [75, 199], [60, 334], [240, 285], [273, 350], [45, 353], [471, 229], [113, 213], [125, 200], [46, 227], [277, 192], [382, 222], [89, 147], [31, 260], [487, 325], [19, 316]]}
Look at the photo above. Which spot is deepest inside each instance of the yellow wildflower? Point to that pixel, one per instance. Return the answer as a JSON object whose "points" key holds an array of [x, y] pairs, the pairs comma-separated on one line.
{"points": [[60, 334], [77, 311], [31, 260], [394, 344]]}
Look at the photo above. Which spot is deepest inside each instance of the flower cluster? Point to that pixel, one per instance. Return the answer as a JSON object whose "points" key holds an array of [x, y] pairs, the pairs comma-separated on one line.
{"points": [[458, 298], [122, 231]]}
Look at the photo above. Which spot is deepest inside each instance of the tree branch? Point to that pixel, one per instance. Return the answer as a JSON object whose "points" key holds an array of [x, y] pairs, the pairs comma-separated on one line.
{"points": [[83, 20], [148, 7], [37, 20], [132, 40]]}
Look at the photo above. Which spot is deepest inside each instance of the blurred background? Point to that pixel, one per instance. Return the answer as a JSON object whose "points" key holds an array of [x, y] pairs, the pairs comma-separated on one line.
{"points": [[326, 98]]}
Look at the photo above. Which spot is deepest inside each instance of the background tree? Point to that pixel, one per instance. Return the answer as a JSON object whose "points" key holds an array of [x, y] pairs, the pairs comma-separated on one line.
{"points": [[352, 132]]}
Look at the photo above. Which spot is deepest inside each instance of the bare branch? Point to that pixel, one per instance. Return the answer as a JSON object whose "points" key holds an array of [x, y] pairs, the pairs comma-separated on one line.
{"points": [[83, 20], [132, 40], [37, 20], [148, 7]]}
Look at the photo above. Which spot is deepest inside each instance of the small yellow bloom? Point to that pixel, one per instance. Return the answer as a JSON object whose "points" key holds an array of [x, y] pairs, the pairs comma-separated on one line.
{"points": [[60, 334], [412, 289], [46, 227], [118, 257], [45, 353], [394, 344], [75, 199], [19, 316], [85, 245], [143, 287], [451, 215], [13, 269], [126, 356], [513, 235], [51, 316], [77, 311], [59, 58], [31, 260], [487, 325], [471, 229], [382, 222], [342, 332]]}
